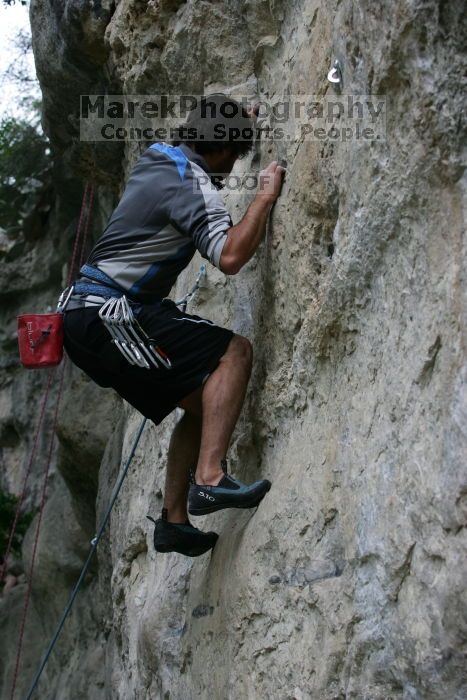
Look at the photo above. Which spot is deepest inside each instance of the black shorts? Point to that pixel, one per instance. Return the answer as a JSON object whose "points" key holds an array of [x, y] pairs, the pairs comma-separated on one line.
{"points": [[194, 346]]}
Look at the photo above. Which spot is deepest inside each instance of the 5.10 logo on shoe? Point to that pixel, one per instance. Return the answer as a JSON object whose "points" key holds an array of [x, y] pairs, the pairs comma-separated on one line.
{"points": [[206, 495]]}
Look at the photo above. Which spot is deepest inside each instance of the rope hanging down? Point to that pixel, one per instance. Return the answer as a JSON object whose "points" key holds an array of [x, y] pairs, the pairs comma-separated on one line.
{"points": [[80, 238], [78, 253], [12, 532], [36, 537], [94, 544]]}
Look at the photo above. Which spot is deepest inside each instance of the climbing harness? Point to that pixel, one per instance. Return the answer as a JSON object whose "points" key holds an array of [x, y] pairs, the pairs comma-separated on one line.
{"points": [[117, 315], [101, 285]]}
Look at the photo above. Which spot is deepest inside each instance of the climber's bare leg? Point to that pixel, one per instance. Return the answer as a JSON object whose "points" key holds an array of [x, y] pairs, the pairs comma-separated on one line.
{"points": [[222, 398], [202, 436], [182, 456]]}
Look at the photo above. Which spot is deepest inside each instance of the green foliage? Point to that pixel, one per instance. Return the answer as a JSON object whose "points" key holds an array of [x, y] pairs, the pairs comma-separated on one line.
{"points": [[8, 504], [25, 166]]}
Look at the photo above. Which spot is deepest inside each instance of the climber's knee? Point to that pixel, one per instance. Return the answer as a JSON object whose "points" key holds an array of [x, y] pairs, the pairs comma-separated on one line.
{"points": [[240, 352]]}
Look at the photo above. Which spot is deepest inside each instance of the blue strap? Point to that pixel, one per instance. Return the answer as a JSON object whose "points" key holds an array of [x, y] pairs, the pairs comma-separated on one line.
{"points": [[93, 273], [107, 287], [98, 290]]}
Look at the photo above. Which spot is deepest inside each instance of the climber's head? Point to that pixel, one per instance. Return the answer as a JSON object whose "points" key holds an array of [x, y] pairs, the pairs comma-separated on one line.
{"points": [[220, 129]]}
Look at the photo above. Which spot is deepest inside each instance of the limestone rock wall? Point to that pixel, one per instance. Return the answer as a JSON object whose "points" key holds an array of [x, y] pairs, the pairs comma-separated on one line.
{"points": [[347, 582]]}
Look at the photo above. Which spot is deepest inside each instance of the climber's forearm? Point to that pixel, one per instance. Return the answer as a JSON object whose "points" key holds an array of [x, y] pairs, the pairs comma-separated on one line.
{"points": [[244, 238]]}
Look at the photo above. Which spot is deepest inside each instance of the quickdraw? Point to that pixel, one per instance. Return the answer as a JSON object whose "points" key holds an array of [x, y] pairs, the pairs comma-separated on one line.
{"points": [[189, 295], [128, 336]]}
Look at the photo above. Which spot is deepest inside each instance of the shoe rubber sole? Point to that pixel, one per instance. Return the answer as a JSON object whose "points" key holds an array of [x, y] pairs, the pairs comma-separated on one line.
{"points": [[194, 552], [256, 500]]}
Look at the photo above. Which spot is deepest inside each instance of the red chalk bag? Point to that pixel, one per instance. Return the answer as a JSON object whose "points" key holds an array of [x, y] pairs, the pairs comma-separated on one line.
{"points": [[40, 340]]}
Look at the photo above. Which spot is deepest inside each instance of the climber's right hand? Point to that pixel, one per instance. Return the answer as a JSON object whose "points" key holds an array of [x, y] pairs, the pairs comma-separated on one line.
{"points": [[270, 182]]}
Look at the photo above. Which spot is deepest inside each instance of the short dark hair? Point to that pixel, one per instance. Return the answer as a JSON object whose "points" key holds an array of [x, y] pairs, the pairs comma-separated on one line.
{"points": [[217, 122]]}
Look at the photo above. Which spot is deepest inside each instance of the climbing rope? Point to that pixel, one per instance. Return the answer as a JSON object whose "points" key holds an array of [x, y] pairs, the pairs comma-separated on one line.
{"points": [[27, 597], [26, 477], [86, 232], [94, 544], [81, 234], [82, 230], [77, 253]]}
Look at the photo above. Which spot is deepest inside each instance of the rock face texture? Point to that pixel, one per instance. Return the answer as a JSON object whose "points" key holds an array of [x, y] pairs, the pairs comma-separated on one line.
{"points": [[349, 579]]}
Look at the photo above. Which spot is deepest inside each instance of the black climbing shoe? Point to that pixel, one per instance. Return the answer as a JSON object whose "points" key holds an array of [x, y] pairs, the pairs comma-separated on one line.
{"points": [[181, 537], [229, 493]]}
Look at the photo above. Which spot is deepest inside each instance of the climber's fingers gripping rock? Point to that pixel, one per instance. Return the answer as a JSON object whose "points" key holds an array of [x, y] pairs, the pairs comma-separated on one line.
{"points": [[270, 181]]}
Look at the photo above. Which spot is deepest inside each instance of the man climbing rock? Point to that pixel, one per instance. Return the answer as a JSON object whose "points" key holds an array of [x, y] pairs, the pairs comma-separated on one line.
{"points": [[170, 208]]}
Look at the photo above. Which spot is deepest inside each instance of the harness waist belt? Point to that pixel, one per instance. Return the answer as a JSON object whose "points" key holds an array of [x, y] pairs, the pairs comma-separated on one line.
{"points": [[98, 290], [103, 286], [93, 273]]}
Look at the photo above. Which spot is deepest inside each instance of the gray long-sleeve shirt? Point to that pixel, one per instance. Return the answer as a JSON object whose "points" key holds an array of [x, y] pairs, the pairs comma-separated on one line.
{"points": [[169, 209]]}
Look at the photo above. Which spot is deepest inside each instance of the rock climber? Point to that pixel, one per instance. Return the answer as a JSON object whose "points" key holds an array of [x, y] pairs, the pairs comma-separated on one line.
{"points": [[170, 208]]}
